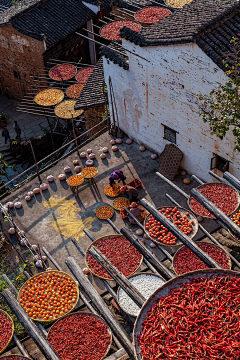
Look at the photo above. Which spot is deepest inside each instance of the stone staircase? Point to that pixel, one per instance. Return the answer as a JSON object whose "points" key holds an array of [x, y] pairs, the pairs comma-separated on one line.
{"points": [[13, 161]]}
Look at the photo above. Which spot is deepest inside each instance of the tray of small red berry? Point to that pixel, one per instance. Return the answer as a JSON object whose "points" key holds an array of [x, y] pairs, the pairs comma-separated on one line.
{"points": [[180, 217]]}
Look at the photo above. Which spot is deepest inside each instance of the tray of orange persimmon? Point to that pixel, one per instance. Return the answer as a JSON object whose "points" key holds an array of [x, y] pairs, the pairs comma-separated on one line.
{"points": [[75, 180], [48, 296], [112, 191], [89, 172], [104, 212]]}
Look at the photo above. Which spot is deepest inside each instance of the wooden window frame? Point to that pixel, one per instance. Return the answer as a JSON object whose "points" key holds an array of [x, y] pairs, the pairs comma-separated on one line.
{"points": [[174, 134], [218, 162]]}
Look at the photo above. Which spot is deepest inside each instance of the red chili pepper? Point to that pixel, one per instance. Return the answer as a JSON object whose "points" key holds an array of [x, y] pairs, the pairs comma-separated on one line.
{"points": [[196, 320], [6, 328], [83, 75], [121, 254], [185, 260], [80, 337], [62, 72], [111, 31], [151, 15], [222, 196]]}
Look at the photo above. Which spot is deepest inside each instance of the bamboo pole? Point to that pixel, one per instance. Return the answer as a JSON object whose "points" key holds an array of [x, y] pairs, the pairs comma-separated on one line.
{"points": [[232, 180], [181, 236], [20, 346], [35, 161], [215, 211], [119, 232], [120, 279], [148, 255], [165, 252], [216, 242], [117, 329]]}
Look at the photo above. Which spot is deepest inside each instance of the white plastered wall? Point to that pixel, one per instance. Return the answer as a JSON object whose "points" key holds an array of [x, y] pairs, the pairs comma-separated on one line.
{"points": [[164, 90]]}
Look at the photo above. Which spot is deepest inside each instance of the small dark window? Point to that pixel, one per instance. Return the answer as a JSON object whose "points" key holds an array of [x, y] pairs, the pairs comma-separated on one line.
{"points": [[16, 74], [170, 134], [217, 162]]}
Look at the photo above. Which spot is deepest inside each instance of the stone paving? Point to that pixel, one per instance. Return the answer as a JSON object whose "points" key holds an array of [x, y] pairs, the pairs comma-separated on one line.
{"points": [[46, 221], [31, 125]]}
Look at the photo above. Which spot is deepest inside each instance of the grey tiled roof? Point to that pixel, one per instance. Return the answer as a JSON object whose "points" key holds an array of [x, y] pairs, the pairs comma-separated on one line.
{"points": [[92, 94], [185, 24], [56, 19], [4, 5], [119, 59], [216, 43]]}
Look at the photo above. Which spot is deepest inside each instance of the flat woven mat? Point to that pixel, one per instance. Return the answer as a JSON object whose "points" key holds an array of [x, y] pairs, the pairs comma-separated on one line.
{"points": [[169, 161]]}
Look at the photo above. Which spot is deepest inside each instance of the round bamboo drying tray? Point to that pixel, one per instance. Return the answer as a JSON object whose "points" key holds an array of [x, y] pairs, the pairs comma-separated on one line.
{"points": [[234, 236], [47, 272], [115, 186], [4, 312], [87, 314], [120, 198], [95, 242], [164, 290], [106, 206], [220, 184], [201, 242], [78, 178], [43, 97], [130, 277], [183, 211], [73, 66], [84, 172]]}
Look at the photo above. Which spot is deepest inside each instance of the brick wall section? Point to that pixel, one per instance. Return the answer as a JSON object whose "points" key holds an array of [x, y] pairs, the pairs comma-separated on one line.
{"points": [[19, 53], [93, 116], [164, 91]]}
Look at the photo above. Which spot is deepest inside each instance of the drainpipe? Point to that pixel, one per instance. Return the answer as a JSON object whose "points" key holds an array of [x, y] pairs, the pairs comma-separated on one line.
{"points": [[92, 48]]}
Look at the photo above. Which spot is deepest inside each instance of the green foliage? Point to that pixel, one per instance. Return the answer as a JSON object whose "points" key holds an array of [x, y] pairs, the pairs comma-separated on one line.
{"points": [[221, 109]]}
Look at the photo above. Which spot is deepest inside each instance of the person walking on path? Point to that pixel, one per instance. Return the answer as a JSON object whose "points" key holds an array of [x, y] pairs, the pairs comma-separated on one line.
{"points": [[130, 192], [116, 175], [5, 134], [17, 130], [136, 211]]}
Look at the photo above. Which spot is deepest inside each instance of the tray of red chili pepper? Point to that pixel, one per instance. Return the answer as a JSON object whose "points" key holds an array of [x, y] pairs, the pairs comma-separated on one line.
{"points": [[179, 216], [14, 357], [119, 251], [6, 330], [224, 196], [193, 316], [80, 336], [185, 260]]}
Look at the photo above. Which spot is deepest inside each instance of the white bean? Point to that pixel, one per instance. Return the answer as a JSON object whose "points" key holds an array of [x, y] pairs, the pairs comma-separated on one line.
{"points": [[146, 284]]}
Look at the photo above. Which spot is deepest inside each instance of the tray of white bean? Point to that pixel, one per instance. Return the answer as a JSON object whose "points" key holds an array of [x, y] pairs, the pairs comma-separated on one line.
{"points": [[146, 284]]}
